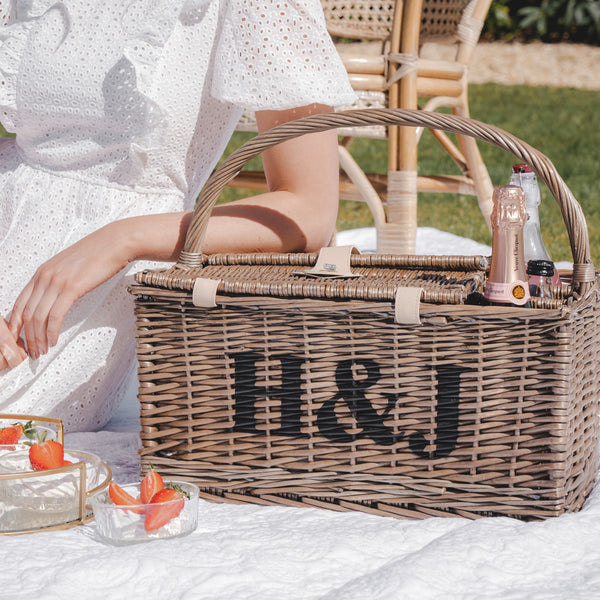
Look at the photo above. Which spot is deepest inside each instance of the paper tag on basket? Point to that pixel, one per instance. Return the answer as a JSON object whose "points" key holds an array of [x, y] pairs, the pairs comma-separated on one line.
{"points": [[406, 305], [333, 261], [205, 292]]}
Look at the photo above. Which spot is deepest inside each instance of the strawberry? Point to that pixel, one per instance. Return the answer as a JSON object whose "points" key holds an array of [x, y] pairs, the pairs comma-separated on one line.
{"points": [[151, 484], [165, 505], [12, 434], [46, 454], [119, 496]]}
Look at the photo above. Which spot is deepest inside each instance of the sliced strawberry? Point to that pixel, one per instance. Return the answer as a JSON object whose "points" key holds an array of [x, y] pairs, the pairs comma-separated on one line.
{"points": [[165, 505], [151, 484], [119, 496], [46, 455]]}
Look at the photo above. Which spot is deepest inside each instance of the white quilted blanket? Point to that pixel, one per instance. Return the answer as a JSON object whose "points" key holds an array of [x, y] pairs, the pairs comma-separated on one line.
{"points": [[277, 553]]}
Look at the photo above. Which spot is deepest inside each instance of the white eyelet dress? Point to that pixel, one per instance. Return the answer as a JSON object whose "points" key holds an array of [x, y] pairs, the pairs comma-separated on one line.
{"points": [[122, 108]]}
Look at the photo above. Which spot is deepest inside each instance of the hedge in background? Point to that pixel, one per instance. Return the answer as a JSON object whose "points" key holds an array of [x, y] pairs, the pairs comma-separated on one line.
{"points": [[545, 20]]}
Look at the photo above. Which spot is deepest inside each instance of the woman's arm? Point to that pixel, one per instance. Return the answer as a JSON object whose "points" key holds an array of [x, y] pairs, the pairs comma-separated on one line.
{"points": [[297, 214], [299, 211]]}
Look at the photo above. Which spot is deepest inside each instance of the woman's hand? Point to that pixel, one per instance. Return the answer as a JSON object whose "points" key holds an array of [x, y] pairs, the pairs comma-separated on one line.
{"points": [[42, 305], [12, 351]]}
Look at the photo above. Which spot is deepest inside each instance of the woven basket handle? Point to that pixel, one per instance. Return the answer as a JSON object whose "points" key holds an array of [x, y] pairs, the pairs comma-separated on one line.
{"points": [[583, 268]]}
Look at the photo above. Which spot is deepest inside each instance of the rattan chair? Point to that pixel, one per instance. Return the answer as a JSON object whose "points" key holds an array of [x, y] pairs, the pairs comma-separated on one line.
{"points": [[396, 54]]}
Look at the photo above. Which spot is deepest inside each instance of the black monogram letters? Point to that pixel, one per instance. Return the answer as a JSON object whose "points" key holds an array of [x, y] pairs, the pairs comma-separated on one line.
{"points": [[353, 377]]}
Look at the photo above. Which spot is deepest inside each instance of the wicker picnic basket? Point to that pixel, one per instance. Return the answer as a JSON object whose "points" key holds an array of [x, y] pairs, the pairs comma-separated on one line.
{"points": [[266, 384]]}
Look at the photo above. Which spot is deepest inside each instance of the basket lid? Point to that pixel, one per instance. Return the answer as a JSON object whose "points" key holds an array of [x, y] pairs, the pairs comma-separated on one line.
{"points": [[376, 277]]}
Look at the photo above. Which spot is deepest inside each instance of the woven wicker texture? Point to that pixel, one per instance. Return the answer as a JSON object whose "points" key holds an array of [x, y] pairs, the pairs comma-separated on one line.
{"points": [[324, 400], [307, 402], [440, 18], [445, 280], [371, 19]]}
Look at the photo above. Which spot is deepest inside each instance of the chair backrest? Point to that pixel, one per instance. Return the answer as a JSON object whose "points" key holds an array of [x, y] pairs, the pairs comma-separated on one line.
{"points": [[440, 19], [369, 20], [446, 21], [455, 23]]}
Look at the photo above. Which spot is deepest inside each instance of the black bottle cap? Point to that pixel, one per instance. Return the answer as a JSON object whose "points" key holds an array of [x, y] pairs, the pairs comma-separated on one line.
{"points": [[542, 268]]}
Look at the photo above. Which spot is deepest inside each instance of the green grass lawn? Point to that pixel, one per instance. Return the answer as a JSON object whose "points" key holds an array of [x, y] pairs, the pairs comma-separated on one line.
{"points": [[560, 122]]}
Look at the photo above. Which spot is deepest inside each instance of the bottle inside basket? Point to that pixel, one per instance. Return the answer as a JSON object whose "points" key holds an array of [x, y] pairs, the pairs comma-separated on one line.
{"points": [[533, 245], [540, 278], [507, 283]]}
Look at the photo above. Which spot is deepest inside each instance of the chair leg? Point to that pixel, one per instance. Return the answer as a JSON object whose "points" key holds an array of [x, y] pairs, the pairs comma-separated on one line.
{"points": [[396, 230], [401, 236], [480, 176], [476, 167], [362, 183], [400, 231]]}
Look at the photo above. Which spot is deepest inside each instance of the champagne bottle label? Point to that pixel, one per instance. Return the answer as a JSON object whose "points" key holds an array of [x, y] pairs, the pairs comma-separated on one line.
{"points": [[515, 292]]}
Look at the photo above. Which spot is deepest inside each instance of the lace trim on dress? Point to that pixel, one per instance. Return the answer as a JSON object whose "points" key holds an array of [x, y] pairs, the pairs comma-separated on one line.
{"points": [[263, 50], [12, 39]]}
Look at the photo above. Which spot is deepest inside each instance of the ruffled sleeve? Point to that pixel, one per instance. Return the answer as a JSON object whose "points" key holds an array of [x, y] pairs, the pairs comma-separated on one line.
{"points": [[13, 36], [277, 54]]}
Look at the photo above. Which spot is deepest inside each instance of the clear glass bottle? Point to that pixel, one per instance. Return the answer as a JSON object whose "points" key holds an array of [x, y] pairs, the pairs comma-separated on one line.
{"points": [[507, 281], [540, 278], [533, 244]]}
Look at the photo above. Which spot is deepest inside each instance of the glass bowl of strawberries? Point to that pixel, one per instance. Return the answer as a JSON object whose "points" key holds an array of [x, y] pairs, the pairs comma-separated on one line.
{"points": [[43, 487], [140, 512]]}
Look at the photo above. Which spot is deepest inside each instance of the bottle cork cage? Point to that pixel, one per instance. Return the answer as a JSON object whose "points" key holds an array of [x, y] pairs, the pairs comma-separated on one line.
{"points": [[313, 394]]}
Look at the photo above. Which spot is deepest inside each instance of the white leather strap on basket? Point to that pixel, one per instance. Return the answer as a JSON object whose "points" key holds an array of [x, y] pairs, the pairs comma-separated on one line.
{"points": [[406, 305], [333, 261], [204, 293]]}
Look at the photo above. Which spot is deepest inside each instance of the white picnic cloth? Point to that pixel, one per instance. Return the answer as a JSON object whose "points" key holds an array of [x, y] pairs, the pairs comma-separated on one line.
{"points": [[272, 553]]}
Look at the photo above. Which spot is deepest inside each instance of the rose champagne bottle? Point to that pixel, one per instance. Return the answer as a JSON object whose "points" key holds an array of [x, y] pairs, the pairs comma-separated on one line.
{"points": [[507, 283]]}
